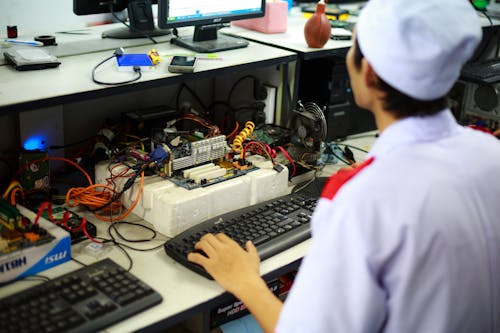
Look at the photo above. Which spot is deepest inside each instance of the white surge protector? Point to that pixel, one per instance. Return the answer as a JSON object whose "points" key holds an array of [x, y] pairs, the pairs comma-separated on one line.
{"points": [[172, 209]]}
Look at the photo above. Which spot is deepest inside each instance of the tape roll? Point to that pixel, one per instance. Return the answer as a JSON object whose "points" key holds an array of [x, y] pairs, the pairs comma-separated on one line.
{"points": [[46, 40]]}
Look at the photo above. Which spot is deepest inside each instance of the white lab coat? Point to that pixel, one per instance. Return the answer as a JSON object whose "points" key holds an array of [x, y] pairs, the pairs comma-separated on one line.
{"points": [[409, 244]]}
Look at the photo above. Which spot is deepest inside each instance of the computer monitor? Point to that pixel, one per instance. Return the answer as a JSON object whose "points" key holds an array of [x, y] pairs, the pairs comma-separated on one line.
{"points": [[141, 22], [207, 17]]}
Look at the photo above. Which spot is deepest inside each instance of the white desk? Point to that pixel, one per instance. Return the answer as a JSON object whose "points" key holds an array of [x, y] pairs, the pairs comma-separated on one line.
{"points": [[292, 39], [72, 81]]}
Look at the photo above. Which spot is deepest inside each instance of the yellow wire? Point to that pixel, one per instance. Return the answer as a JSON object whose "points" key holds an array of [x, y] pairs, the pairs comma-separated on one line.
{"points": [[13, 184], [139, 140], [242, 136]]}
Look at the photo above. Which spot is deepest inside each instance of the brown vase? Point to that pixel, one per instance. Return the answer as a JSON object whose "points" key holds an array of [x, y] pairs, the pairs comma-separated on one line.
{"points": [[317, 29]]}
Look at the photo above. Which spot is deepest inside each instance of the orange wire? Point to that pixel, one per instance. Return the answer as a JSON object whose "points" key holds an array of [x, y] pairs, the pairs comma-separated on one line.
{"points": [[233, 132], [94, 199], [89, 196]]}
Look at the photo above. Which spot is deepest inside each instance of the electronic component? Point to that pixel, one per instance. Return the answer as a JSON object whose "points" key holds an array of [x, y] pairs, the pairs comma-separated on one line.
{"points": [[30, 58], [481, 94], [29, 245], [72, 224], [35, 173], [182, 64], [154, 56], [86, 300], [188, 150], [272, 135], [211, 173], [17, 232], [127, 62]]}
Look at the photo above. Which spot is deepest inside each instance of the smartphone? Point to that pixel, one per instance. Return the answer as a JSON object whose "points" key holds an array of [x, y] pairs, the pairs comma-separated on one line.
{"points": [[182, 64]]}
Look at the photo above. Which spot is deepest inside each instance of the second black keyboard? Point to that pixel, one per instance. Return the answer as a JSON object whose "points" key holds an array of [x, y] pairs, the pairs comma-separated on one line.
{"points": [[273, 226], [86, 300]]}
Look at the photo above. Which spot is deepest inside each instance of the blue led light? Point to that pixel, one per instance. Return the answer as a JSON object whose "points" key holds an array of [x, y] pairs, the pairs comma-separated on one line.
{"points": [[35, 142]]}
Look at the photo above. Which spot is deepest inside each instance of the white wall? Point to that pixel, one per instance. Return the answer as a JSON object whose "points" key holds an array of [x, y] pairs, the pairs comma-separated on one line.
{"points": [[42, 17]]}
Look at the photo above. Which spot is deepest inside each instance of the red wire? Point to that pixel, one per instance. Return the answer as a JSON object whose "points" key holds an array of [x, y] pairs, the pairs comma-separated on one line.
{"points": [[289, 158], [64, 221], [44, 206]]}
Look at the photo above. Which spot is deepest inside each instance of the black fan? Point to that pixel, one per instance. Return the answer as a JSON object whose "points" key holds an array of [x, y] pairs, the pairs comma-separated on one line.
{"points": [[308, 126]]}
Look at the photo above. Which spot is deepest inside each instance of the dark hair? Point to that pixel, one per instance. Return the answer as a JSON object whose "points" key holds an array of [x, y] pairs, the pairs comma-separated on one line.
{"points": [[398, 103]]}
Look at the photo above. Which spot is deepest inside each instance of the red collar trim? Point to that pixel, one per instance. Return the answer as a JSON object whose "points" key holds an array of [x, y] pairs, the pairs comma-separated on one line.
{"points": [[337, 180]]}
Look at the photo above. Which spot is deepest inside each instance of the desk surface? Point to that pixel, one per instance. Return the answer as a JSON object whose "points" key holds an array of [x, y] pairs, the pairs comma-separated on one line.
{"points": [[72, 80], [292, 39], [184, 292]]}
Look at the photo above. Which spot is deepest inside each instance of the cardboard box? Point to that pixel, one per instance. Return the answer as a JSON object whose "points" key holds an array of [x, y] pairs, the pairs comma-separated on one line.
{"points": [[274, 21], [34, 259]]}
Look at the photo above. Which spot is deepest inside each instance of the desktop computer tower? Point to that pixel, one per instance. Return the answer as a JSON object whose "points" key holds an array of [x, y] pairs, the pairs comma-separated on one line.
{"points": [[325, 82]]}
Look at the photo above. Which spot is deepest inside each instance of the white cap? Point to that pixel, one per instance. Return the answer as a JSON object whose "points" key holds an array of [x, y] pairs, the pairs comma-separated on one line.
{"points": [[418, 46]]}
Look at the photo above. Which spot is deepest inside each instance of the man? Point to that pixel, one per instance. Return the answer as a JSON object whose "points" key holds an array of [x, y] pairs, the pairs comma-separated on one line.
{"points": [[410, 240]]}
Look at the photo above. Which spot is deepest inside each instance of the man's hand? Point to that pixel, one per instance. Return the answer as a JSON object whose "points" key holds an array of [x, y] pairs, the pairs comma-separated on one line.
{"points": [[237, 270], [231, 266]]}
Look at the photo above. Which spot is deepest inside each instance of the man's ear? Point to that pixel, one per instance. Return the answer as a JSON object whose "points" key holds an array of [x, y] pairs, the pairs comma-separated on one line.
{"points": [[369, 75]]}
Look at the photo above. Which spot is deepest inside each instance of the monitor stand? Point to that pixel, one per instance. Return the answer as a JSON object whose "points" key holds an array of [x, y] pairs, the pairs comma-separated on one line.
{"points": [[141, 22], [207, 40], [126, 33]]}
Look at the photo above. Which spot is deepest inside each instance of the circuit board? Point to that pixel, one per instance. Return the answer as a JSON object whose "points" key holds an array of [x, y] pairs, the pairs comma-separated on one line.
{"points": [[17, 232], [210, 174], [193, 161], [72, 224]]}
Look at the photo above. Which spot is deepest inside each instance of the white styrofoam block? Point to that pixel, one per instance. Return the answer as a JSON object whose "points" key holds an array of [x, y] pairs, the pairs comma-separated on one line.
{"points": [[172, 209]]}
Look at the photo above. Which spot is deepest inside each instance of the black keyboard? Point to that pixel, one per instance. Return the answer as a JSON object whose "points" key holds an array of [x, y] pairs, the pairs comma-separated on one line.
{"points": [[273, 226], [86, 300]]}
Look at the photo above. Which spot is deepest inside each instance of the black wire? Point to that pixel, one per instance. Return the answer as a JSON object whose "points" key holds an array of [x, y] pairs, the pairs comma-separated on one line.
{"points": [[128, 184], [153, 232], [351, 146], [74, 143], [340, 158], [123, 246], [498, 44], [113, 227], [79, 262], [229, 96], [198, 99], [113, 240], [485, 43], [136, 70], [356, 136]]}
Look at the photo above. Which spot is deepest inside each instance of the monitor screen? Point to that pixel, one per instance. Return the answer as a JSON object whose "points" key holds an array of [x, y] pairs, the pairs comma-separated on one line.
{"points": [[207, 16], [140, 14]]}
